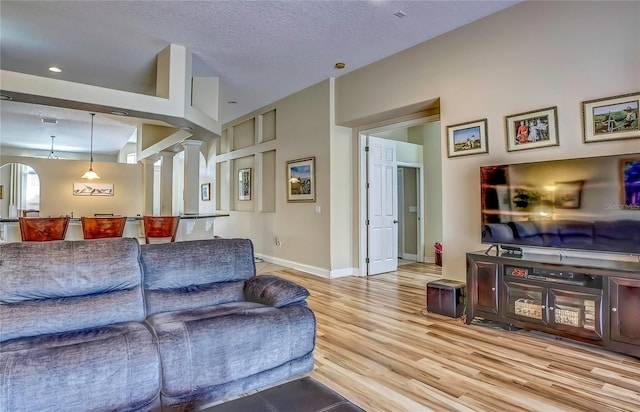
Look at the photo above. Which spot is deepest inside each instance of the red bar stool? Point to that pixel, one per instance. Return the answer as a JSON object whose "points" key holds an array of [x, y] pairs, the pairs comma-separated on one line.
{"points": [[102, 227], [43, 229], [160, 227]]}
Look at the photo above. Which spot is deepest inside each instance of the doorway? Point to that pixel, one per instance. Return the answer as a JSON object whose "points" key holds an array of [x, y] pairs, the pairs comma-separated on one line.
{"points": [[391, 223], [409, 206]]}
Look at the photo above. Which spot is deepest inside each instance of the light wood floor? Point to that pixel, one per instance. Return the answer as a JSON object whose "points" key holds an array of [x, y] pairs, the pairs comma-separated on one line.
{"points": [[378, 348]]}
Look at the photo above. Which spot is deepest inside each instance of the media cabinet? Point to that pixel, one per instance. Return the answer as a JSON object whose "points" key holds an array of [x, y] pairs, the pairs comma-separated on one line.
{"points": [[591, 300]]}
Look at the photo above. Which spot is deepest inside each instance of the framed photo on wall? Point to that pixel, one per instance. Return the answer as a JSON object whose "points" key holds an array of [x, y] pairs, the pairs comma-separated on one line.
{"points": [[93, 189], [301, 181], [532, 130], [611, 118], [244, 184], [205, 191], [467, 138]]}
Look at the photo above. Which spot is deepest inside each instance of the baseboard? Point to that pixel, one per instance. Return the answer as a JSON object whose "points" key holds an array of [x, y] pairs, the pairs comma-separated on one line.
{"points": [[409, 256], [330, 274]]}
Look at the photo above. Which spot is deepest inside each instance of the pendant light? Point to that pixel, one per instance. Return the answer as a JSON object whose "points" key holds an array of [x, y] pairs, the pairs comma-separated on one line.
{"points": [[90, 174], [52, 155]]}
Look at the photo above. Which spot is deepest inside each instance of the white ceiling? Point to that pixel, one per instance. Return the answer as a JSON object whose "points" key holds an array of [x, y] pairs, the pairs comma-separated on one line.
{"points": [[261, 50]]}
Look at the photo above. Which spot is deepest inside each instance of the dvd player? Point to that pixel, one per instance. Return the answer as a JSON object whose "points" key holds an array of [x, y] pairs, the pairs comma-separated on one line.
{"points": [[549, 275]]}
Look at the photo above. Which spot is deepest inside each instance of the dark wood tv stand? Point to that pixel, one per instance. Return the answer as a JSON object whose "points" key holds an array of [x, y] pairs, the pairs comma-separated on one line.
{"points": [[592, 300]]}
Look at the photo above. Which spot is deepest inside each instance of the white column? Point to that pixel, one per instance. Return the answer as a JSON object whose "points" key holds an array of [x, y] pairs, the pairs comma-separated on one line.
{"points": [[166, 183], [148, 185], [191, 176]]}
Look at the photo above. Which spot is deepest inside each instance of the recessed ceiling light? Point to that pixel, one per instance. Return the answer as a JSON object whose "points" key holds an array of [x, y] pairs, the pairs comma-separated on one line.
{"points": [[120, 113], [186, 127], [232, 102], [5, 97], [55, 69], [340, 65]]}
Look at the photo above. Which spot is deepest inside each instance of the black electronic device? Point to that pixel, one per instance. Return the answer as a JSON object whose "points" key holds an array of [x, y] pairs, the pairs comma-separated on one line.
{"points": [[573, 204], [549, 275]]}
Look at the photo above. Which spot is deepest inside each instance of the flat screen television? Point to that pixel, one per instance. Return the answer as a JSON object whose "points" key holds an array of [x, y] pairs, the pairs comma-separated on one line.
{"points": [[580, 204]]}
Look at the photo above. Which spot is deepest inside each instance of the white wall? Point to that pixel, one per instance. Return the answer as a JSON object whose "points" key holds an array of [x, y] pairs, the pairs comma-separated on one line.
{"points": [[530, 56]]}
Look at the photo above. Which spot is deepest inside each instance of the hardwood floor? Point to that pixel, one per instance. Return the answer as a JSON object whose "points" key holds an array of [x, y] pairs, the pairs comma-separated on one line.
{"points": [[378, 347]]}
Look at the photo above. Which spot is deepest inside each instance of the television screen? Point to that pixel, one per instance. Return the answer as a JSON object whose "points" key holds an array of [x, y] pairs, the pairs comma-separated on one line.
{"points": [[585, 204]]}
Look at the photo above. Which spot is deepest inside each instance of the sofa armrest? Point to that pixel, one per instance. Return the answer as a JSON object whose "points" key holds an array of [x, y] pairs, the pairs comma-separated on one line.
{"points": [[274, 291]]}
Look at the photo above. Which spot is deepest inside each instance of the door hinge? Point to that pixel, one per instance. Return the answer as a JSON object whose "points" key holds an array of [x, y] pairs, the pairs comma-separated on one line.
{"points": [[367, 260], [367, 222], [367, 186], [366, 148]]}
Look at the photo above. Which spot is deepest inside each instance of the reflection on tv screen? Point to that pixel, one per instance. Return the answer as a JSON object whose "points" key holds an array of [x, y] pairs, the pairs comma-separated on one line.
{"points": [[586, 204]]}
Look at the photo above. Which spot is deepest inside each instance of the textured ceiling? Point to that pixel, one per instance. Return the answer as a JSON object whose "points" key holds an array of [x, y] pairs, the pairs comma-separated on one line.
{"points": [[261, 50]]}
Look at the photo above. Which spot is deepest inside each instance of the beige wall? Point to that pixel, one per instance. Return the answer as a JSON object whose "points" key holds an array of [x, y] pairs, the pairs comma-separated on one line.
{"points": [[530, 56], [56, 187], [302, 130]]}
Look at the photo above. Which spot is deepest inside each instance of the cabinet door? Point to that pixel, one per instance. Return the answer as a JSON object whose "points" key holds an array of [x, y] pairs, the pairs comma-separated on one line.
{"points": [[525, 302], [485, 293], [625, 310], [576, 312]]}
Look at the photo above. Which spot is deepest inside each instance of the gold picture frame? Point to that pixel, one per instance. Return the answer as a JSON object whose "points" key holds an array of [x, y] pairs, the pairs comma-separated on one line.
{"points": [[532, 130], [467, 138], [611, 118]]}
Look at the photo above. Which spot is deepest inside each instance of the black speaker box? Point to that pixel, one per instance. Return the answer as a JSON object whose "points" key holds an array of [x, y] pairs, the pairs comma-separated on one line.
{"points": [[446, 297]]}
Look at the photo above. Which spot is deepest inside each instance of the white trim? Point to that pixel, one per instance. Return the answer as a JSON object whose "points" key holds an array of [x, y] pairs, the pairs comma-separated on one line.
{"points": [[330, 274], [362, 216], [410, 256]]}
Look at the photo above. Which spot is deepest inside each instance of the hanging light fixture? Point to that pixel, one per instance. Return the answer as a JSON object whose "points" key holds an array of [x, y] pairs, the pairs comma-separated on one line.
{"points": [[52, 155], [90, 174]]}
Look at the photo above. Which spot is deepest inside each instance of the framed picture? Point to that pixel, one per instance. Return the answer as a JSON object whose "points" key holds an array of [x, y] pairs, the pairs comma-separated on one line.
{"points": [[244, 184], [567, 194], [532, 130], [205, 191], [630, 184], [93, 189], [467, 138], [301, 181], [611, 118]]}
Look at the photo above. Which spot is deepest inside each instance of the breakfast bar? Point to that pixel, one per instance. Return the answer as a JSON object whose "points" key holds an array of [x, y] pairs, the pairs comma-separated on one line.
{"points": [[191, 227]]}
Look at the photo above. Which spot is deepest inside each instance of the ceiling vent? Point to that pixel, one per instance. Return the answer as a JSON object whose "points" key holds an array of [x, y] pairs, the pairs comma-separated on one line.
{"points": [[400, 14], [49, 120]]}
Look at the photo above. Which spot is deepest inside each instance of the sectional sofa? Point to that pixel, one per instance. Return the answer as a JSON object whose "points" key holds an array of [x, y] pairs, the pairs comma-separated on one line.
{"points": [[109, 324]]}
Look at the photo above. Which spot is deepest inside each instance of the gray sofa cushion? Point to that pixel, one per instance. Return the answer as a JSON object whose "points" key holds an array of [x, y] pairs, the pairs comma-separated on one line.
{"points": [[207, 347], [187, 275], [101, 369], [51, 287], [274, 291]]}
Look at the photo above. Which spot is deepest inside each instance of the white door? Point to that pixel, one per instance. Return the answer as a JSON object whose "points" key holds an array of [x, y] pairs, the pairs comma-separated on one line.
{"points": [[382, 204]]}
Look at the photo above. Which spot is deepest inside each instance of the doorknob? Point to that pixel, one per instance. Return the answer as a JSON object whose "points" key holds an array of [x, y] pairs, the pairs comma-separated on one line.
{"points": [[395, 221]]}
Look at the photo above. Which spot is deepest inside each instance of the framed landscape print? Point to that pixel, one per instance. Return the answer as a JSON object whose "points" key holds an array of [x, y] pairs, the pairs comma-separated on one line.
{"points": [[532, 130], [611, 118], [467, 138], [244, 184], [301, 181], [93, 189]]}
